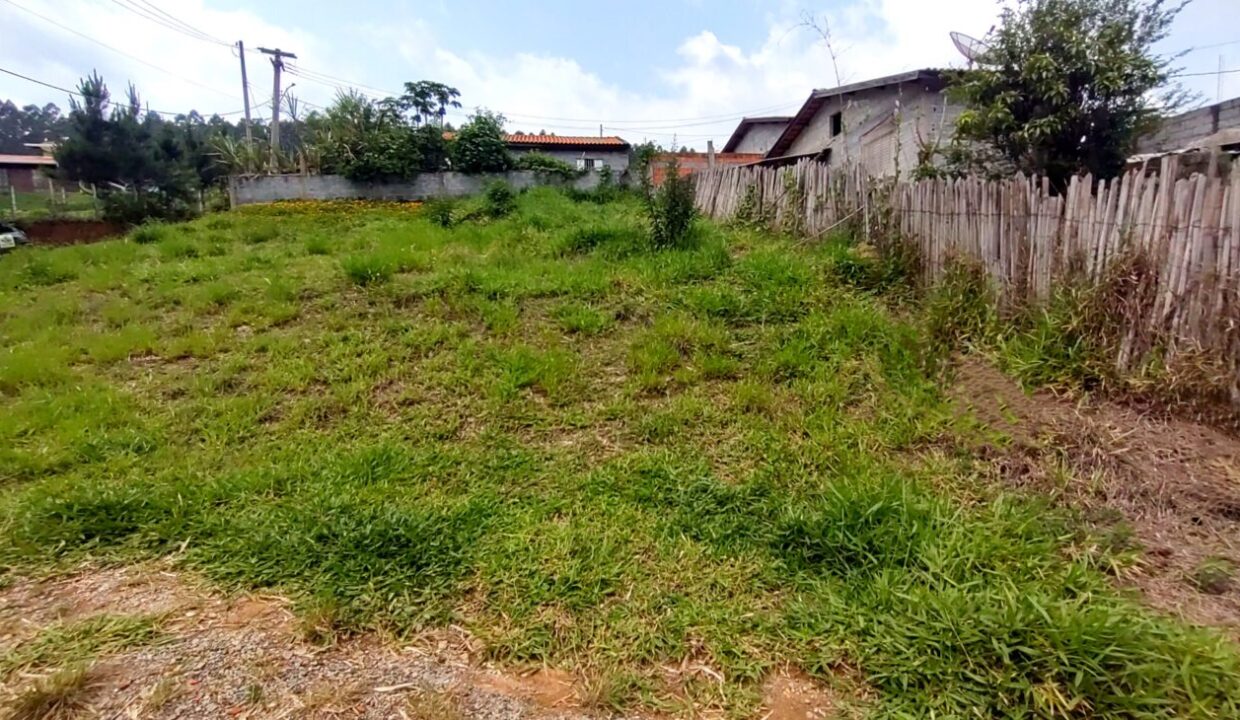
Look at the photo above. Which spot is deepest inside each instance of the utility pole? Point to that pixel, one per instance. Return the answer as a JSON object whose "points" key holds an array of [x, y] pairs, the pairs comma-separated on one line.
{"points": [[277, 65], [245, 94]]}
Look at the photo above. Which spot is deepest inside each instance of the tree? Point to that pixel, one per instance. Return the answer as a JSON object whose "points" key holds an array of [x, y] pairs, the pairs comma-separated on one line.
{"points": [[428, 99], [367, 140], [142, 165], [480, 146], [1066, 87], [28, 124]]}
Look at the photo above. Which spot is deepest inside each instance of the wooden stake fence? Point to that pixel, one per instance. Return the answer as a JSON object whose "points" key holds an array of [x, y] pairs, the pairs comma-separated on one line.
{"points": [[1029, 240]]}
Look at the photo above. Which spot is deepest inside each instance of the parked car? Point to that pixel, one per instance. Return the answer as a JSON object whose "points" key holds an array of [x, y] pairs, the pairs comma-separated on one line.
{"points": [[11, 237]]}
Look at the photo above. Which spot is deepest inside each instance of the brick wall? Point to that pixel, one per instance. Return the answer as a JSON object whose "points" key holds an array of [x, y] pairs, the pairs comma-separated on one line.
{"points": [[691, 163], [1182, 131]]}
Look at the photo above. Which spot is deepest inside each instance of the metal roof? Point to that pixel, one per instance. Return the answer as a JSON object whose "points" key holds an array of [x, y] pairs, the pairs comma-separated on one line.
{"points": [[818, 98], [746, 123]]}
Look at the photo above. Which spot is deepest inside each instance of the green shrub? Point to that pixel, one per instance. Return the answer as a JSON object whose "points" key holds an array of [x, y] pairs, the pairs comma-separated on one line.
{"points": [[440, 211], [498, 200], [671, 210], [151, 232], [479, 145], [538, 162], [133, 208]]}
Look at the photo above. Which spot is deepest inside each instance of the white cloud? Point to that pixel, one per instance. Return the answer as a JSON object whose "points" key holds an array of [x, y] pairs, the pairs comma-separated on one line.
{"points": [[699, 95]]}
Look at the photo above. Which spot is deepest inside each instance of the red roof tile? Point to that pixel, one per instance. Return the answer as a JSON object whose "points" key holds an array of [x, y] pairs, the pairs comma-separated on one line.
{"points": [[568, 140], [27, 160]]}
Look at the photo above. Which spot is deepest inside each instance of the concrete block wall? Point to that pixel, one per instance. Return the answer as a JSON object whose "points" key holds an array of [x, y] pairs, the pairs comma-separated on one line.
{"points": [[272, 188]]}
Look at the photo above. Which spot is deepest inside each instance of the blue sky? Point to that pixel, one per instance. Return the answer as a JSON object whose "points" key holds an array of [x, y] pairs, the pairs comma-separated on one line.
{"points": [[682, 70]]}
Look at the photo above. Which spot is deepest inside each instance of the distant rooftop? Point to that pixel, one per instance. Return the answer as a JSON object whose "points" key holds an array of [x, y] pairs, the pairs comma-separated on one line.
{"points": [[41, 160], [743, 126], [565, 140]]}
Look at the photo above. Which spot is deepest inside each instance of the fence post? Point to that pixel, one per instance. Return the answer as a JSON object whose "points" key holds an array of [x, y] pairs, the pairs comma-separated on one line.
{"points": [[13, 200]]}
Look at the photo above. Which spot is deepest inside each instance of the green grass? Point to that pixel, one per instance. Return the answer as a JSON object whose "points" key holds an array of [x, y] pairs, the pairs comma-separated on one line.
{"points": [[591, 455], [65, 644], [38, 205]]}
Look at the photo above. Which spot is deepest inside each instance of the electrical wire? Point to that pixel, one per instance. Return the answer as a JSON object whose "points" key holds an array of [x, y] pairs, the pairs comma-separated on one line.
{"points": [[119, 51], [1204, 74], [648, 127], [163, 19], [75, 93]]}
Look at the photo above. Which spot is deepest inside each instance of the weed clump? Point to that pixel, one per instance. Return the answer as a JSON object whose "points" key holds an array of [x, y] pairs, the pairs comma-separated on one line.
{"points": [[364, 270], [440, 211], [498, 200], [151, 232], [671, 211]]}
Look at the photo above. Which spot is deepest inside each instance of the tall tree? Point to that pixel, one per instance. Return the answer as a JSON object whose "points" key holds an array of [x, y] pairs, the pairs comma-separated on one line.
{"points": [[142, 165], [1067, 86], [428, 99]]}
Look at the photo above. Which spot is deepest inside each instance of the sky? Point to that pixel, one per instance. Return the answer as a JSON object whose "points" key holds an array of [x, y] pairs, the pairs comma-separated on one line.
{"points": [[671, 71]]}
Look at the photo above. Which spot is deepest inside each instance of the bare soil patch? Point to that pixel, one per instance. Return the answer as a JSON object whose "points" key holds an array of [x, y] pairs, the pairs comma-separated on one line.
{"points": [[243, 657], [1174, 482]]}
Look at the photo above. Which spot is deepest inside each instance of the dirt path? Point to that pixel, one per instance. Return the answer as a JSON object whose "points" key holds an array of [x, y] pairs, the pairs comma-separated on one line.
{"points": [[1175, 483], [247, 657]]}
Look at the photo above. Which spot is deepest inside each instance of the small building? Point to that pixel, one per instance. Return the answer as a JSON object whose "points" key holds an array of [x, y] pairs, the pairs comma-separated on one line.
{"points": [[756, 134], [25, 173], [582, 152], [880, 124], [1214, 127]]}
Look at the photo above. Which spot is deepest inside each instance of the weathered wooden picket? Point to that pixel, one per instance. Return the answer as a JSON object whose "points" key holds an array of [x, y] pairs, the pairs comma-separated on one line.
{"points": [[1028, 239]]}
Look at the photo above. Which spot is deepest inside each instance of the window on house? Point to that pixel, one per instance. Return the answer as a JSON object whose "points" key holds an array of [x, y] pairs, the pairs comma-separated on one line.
{"points": [[837, 123], [4, 178], [589, 163]]}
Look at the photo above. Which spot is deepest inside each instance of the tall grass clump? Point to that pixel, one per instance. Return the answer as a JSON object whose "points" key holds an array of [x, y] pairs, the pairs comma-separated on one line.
{"points": [[151, 232], [368, 269], [498, 200], [959, 310], [670, 210]]}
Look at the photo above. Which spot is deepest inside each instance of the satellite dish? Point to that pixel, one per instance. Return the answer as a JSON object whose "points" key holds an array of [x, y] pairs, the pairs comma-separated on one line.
{"points": [[974, 50]]}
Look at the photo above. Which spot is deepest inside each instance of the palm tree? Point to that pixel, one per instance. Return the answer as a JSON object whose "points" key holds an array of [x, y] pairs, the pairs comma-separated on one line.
{"points": [[427, 99]]}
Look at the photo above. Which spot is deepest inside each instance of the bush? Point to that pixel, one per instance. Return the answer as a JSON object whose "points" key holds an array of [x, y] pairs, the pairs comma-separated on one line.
{"points": [[151, 232], [538, 162], [498, 200], [479, 145], [135, 208], [671, 210], [440, 211]]}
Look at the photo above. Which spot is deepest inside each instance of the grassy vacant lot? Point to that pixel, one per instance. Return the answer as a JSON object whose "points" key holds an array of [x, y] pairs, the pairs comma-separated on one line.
{"points": [[725, 460]]}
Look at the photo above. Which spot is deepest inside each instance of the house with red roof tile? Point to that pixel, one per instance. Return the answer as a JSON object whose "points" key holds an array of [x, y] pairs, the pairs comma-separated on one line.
{"points": [[583, 152]]}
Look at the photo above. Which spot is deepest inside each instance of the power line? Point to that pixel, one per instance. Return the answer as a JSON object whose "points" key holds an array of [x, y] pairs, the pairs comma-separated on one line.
{"points": [[163, 19], [1203, 74], [75, 93], [634, 126], [119, 51]]}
